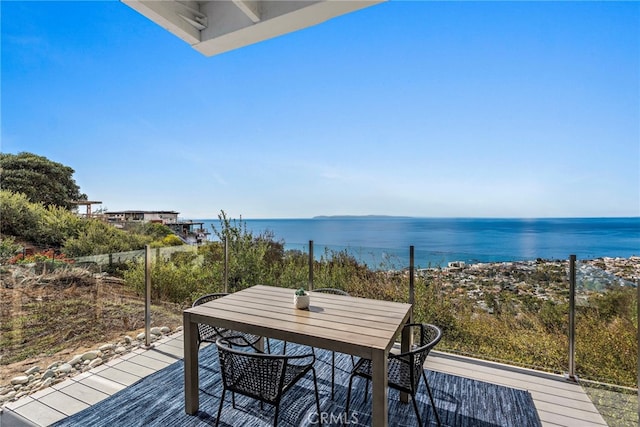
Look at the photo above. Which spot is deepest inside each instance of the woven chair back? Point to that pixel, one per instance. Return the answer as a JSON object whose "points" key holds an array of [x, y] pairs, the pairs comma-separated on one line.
{"points": [[429, 335], [207, 332], [256, 375]]}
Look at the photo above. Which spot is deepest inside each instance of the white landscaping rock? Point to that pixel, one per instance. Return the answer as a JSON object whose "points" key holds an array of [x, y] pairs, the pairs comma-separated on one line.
{"points": [[36, 379], [49, 373], [22, 379], [54, 365], [32, 370], [106, 347], [90, 355], [75, 360], [95, 362], [65, 368]]}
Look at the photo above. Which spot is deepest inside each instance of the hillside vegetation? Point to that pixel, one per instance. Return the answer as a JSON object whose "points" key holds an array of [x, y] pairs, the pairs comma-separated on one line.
{"points": [[511, 312], [63, 231], [516, 312]]}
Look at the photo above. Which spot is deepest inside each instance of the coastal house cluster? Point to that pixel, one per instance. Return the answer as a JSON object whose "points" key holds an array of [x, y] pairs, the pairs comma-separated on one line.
{"points": [[162, 217], [191, 232]]}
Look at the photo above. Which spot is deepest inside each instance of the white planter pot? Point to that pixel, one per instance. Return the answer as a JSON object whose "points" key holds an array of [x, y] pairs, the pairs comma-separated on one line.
{"points": [[301, 301]]}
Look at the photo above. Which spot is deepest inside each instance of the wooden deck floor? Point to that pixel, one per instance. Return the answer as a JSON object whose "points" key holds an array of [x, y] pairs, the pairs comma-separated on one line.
{"points": [[559, 402]]}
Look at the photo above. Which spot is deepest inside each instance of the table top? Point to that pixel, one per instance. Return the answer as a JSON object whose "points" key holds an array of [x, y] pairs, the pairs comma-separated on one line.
{"points": [[346, 324]]}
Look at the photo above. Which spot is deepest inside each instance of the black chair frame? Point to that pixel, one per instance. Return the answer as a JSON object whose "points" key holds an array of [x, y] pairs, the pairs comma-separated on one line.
{"points": [[210, 334], [261, 376], [405, 369]]}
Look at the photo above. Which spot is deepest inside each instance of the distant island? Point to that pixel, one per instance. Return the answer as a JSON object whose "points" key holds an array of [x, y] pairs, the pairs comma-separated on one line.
{"points": [[360, 217]]}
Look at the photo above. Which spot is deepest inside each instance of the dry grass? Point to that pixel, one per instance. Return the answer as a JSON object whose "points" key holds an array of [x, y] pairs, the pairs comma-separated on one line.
{"points": [[48, 317]]}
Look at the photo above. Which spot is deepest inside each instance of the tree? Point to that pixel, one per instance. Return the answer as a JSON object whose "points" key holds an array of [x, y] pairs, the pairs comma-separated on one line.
{"points": [[40, 179]]}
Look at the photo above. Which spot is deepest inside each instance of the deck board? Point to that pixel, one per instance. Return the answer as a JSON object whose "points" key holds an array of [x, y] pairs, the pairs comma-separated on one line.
{"points": [[559, 402]]}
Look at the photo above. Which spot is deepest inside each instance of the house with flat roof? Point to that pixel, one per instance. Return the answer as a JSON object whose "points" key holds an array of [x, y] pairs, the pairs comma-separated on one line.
{"points": [[191, 232], [163, 217]]}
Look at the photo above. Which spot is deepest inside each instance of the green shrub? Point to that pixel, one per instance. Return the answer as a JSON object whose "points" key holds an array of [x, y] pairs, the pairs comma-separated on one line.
{"points": [[56, 226], [96, 237], [20, 217], [172, 240], [8, 248], [252, 259], [152, 229], [180, 282]]}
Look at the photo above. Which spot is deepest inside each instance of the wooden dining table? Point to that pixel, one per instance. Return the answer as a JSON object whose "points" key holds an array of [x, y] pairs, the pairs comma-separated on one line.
{"points": [[352, 325]]}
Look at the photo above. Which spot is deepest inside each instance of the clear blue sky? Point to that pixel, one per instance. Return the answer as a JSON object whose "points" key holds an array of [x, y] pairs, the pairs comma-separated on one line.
{"points": [[430, 109]]}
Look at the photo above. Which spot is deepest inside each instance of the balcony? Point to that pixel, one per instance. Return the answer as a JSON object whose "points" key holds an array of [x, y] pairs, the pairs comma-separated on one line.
{"points": [[557, 401]]}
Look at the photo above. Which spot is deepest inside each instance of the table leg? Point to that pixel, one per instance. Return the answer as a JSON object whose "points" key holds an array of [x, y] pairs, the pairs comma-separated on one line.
{"points": [[191, 392], [379, 403]]}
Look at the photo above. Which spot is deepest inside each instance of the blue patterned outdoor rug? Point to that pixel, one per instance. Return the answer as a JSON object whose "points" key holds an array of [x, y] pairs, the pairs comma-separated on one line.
{"points": [[158, 400]]}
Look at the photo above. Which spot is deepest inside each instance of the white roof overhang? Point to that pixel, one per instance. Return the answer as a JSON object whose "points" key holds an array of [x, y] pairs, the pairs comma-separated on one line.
{"points": [[213, 27]]}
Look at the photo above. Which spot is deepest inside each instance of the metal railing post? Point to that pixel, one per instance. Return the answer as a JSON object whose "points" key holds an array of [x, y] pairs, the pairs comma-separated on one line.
{"points": [[226, 265], [412, 291], [310, 265], [572, 317], [147, 299]]}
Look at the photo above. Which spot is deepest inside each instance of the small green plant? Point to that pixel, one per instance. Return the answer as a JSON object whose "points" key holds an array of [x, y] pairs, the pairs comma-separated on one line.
{"points": [[301, 292], [8, 248], [169, 240]]}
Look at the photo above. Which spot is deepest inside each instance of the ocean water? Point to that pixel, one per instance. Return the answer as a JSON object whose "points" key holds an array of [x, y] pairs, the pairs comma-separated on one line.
{"points": [[383, 242]]}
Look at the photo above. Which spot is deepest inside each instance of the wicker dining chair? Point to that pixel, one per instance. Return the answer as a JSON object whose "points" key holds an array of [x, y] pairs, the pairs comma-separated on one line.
{"points": [[208, 333], [261, 376], [404, 369]]}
